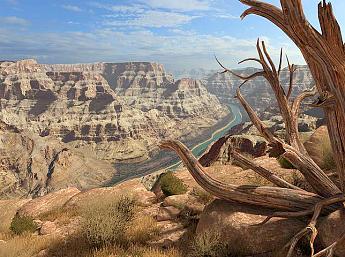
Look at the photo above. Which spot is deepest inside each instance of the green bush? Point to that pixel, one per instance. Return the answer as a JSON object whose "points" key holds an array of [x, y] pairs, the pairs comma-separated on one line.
{"points": [[19, 225], [172, 185], [284, 163], [106, 221]]}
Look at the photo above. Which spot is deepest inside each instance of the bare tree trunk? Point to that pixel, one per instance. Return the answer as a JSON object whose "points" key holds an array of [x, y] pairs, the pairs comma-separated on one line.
{"points": [[324, 53]]}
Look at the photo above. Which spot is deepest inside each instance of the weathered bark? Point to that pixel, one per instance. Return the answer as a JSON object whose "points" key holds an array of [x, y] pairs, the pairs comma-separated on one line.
{"points": [[320, 182], [324, 53], [270, 197], [270, 176]]}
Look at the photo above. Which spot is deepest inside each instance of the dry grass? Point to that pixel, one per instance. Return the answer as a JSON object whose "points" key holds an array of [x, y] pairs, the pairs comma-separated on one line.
{"points": [[208, 244], [61, 216], [111, 227], [141, 229], [26, 245], [134, 251]]}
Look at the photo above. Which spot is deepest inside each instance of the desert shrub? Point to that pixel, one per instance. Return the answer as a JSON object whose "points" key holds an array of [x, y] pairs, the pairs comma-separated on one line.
{"points": [[141, 229], [202, 195], [284, 163], [172, 185], [134, 251], [208, 244], [106, 221], [19, 225], [76, 244]]}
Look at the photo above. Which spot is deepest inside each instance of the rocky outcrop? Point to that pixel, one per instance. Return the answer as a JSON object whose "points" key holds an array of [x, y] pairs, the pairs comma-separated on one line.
{"points": [[331, 229], [31, 165], [238, 228], [117, 110], [246, 139], [318, 144], [47, 203], [257, 91]]}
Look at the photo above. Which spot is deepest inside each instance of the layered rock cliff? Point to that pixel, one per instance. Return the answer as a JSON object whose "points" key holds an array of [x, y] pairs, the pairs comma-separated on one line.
{"points": [[31, 165], [257, 91], [120, 111]]}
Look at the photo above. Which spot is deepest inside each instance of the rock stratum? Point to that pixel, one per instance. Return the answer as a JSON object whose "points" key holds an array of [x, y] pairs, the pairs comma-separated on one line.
{"points": [[257, 91], [63, 125], [119, 111]]}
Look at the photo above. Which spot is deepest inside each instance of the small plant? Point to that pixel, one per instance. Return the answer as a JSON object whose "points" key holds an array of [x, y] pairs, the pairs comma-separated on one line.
{"points": [[284, 163], [208, 244], [172, 185], [19, 225], [106, 221], [202, 195], [141, 229]]}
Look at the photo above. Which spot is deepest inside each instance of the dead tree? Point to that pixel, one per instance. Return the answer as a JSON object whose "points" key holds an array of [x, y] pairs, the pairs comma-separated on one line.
{"points": [[325, 54]]}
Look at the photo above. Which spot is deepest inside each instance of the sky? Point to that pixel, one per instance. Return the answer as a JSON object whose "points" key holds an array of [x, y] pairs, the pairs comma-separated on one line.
{"points": [[181, 34]]}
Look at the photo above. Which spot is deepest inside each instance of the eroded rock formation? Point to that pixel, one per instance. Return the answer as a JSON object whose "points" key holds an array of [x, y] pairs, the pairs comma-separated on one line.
{"points": [[120, 111]]}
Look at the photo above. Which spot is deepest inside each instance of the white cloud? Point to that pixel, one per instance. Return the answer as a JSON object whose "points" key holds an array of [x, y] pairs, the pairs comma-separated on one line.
{"points": [[126, 9], [227, 16], [153, 19], [72, 8], [181, 5], [13, 20]]}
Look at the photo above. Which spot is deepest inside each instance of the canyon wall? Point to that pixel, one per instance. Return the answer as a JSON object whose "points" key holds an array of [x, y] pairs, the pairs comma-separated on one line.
{"points": [[120, 111], [257, 91]]}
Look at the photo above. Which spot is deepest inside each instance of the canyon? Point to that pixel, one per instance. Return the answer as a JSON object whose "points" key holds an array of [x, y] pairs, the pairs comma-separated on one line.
{"points": [[112, 112], [256, 91]]}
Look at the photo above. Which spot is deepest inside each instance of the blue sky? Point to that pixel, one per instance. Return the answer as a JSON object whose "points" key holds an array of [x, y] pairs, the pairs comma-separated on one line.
{"points": [[181, 34]]}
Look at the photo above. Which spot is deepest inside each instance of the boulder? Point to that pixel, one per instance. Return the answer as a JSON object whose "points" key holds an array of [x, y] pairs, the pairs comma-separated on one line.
{"points": [[130, 187], [47, 228], [177, 201], [331, 229], [168, 213], [8, 210], [49, 202], [184, 202], [316, 144], [239, 229], [170, 234]]}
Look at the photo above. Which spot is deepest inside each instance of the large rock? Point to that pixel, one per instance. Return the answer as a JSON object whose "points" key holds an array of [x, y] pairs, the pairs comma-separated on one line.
{"points": [[47, 203], [167, 213], [317, 144], [238, 176], [331, 229], [8, 210], [131, 187], [238, 227]]}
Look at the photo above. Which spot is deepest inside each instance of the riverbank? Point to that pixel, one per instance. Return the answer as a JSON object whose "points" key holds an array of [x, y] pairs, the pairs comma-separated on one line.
{"points": [[169, 160]]}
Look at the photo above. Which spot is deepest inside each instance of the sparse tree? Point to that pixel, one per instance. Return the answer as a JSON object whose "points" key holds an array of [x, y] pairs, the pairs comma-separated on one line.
{"points": [[324, 53]]}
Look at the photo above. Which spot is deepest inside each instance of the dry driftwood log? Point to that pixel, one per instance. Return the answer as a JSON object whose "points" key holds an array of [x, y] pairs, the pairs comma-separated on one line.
{"points": [[324, 53]]}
